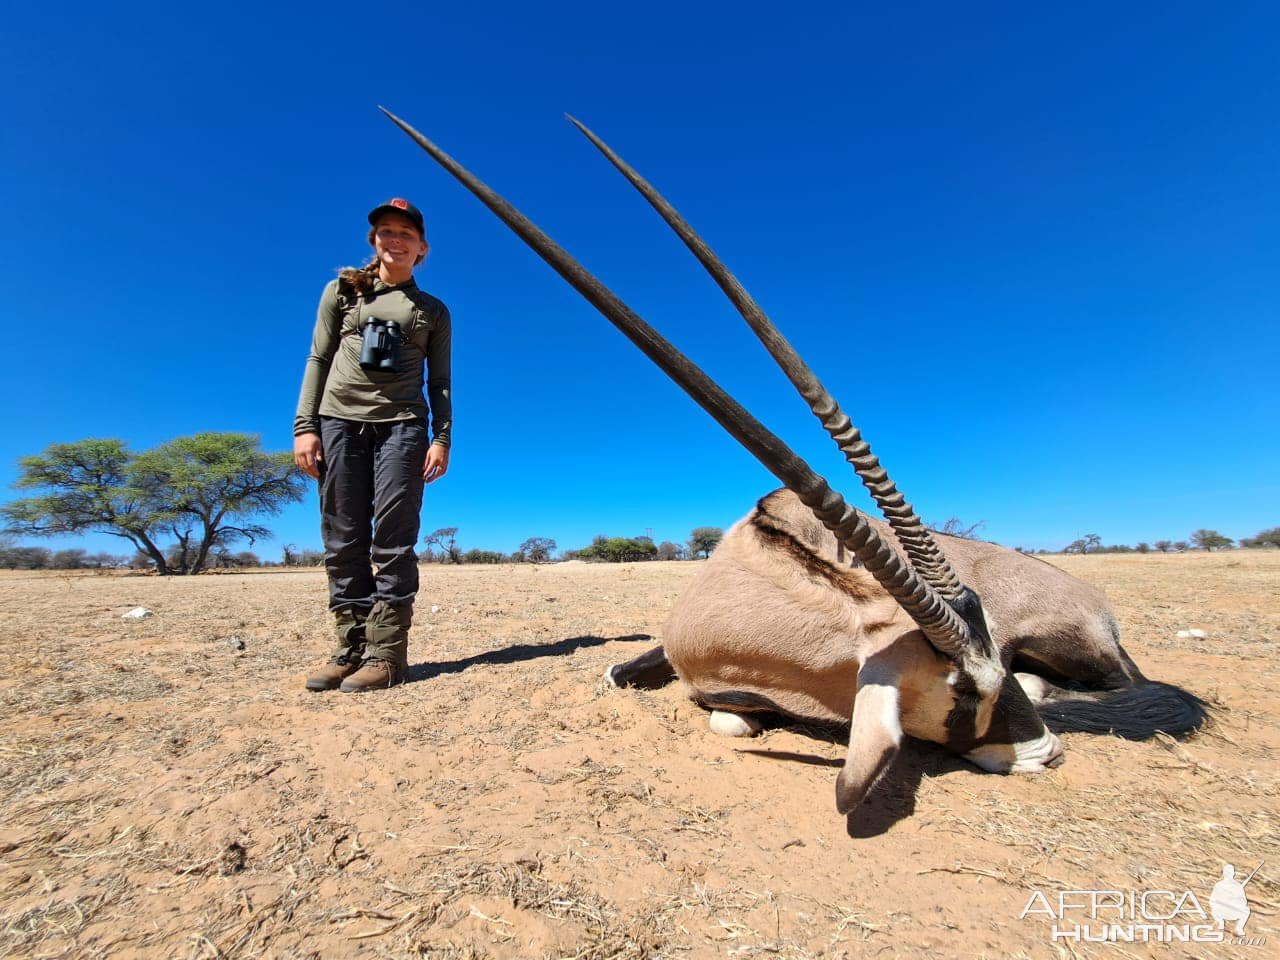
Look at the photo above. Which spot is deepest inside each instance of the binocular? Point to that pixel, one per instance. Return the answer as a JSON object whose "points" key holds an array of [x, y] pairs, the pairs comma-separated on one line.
{"points": [[380, 344]]}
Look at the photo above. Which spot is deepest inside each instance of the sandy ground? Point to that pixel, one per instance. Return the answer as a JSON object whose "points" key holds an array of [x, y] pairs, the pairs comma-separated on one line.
{"points": [[168, 795]]}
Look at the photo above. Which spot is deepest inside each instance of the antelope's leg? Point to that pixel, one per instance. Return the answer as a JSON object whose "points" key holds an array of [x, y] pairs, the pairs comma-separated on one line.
{"points": [[651, 669], [729, 724]]}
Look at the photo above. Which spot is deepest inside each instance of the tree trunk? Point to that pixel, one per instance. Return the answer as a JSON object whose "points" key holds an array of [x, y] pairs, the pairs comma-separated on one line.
{"points": [[202, 555], [152, 551]]}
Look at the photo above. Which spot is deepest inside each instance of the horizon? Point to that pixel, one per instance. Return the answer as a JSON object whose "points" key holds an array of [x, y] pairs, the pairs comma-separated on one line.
{"points": [[124, 560], [969, 532], [1032, 252]]}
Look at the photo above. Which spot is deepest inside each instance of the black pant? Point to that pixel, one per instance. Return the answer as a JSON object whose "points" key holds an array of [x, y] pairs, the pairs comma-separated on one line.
{"points": [[370, 500]]}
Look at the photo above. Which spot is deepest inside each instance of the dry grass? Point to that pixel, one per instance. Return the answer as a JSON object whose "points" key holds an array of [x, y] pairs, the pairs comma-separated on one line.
{"points": [[169, 794]]}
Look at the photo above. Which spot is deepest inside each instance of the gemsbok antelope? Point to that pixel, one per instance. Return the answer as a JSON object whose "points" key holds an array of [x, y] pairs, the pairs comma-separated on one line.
{"points": [[809, 609]]}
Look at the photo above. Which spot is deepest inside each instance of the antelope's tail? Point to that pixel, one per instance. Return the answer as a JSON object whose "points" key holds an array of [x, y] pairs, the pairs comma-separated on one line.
{"points": [[1133, 713]]}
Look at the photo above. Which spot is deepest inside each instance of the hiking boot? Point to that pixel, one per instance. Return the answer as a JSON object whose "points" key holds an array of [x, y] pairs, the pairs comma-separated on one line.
{"points": [[374, 674], [386, 651], [334, 672], [349, 627]]}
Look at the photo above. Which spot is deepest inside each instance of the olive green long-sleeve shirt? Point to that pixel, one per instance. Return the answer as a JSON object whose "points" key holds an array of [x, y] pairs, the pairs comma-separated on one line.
{"points": [[335, 385]]}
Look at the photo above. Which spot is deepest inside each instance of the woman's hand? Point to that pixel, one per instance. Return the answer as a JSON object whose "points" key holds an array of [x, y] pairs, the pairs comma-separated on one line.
{"points": [[307, 453], [437, 462]]}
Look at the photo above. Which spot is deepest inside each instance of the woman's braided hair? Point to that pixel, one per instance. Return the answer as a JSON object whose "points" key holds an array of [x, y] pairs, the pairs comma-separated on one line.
{"points": [[359, 280]]}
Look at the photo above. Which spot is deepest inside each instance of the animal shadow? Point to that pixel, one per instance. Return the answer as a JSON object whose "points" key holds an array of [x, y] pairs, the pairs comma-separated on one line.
{"points": [[893, 798]]}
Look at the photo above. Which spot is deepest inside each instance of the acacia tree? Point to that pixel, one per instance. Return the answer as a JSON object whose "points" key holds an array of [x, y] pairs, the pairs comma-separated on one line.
{"points": [[87, 488], [704, 539], [1089, 542], [537, 549], [1264, 538], [202, 490], [446, 539], [670, 551], [1210, 539], [955, 527], [210, 486]]}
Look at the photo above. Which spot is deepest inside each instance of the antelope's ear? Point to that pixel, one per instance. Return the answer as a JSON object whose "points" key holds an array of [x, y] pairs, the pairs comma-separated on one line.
{"points": [[874, 735]]}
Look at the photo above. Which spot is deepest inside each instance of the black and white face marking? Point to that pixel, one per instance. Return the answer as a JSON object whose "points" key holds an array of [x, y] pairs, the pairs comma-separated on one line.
{"points": [[971, 712], [1017, 740], [964, 721]]}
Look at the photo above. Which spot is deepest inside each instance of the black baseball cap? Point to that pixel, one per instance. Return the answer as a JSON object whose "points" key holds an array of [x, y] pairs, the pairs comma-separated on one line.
{"points": [[403, 207]]}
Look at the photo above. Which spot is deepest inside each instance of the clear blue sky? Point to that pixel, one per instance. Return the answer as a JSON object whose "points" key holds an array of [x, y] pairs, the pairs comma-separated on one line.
{"points": [[1031, 248]]}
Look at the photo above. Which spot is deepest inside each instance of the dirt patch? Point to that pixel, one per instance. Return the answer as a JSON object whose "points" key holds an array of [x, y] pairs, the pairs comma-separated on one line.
{"points": [[167, 793]]}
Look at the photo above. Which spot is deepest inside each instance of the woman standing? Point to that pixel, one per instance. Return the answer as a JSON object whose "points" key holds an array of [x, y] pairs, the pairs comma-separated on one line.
{"points": [[361, 430]]}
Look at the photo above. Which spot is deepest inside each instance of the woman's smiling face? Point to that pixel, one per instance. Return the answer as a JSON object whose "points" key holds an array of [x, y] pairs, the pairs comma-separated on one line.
{"points": [[398, 243]]}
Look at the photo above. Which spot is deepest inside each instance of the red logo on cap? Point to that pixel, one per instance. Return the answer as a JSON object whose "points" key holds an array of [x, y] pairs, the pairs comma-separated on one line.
{"points": [[401, 204]]}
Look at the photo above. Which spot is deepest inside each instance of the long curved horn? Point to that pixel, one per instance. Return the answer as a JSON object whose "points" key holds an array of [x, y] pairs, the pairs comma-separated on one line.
{"points": [[921, 549], [963, 638]]}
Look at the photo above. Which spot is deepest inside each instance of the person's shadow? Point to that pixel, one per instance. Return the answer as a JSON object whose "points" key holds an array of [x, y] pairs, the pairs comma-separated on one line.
{"points": [[516, 653]]}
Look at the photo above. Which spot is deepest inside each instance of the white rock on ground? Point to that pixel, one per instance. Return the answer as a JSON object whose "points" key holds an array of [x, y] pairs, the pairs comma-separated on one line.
{"points": [[1192, 634], [137, 613]]}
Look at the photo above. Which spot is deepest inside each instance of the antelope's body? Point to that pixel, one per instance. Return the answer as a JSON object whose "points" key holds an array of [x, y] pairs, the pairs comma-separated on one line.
{"points": [[780, 619], [779, 611]]}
